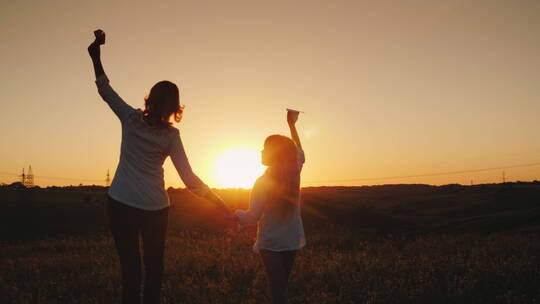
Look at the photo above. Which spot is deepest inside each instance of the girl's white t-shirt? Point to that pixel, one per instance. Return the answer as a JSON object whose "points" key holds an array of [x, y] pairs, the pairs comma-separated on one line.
{"points": [[273, 233], [138, 181]]}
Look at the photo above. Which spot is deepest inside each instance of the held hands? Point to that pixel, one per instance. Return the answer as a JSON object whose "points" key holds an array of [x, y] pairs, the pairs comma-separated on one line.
{"points": [[228, 214], [231, 217], [233, 225]]}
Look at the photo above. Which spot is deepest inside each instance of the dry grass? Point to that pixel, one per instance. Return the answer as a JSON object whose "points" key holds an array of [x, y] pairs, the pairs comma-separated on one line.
{"points": [[365, 245], [204, 267]]}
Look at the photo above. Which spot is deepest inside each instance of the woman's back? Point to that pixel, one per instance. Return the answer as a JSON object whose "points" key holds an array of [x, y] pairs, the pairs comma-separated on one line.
{"points": [[139, 177], [139, 180]]}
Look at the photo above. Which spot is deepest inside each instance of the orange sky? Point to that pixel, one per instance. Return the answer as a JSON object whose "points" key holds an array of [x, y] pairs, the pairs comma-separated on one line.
{"points": [[390, 88]]}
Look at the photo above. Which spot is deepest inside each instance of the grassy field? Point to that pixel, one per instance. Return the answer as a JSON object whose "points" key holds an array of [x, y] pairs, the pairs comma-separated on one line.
{"points": [[381, 244]]}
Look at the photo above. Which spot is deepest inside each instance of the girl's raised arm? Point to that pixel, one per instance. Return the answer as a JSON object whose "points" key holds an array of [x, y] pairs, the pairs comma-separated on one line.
{"points": [[292, 117]]}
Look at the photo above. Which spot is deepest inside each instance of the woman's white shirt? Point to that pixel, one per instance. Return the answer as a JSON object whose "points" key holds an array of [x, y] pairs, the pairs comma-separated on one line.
{"points": [[273, 233], [138, 181]]}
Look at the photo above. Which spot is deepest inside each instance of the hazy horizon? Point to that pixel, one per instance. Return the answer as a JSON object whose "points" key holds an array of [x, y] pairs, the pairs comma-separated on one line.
{"points": [[389, 89]]}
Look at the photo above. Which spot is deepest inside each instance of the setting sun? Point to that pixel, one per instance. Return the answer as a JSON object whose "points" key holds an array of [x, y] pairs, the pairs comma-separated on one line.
{"points": [[237, 168]]}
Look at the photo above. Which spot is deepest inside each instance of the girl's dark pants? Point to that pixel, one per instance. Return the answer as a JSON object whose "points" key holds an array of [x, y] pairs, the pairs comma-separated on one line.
{"points": [[127, 226], [278, 266]]}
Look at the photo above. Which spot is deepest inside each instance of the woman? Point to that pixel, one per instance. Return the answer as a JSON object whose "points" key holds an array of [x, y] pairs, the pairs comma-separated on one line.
{"points": [[138, 204], [275, 205]]}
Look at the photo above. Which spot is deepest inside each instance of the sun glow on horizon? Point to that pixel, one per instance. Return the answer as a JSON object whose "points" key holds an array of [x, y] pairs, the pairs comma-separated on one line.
{"points": [[237, 168]]}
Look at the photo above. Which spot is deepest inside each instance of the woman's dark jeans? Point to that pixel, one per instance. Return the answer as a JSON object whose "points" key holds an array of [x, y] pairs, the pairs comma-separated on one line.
{"points": [[127, 225]]}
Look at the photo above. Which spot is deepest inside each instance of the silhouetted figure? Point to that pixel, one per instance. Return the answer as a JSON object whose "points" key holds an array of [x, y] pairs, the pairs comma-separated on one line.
{"points": [[138, 205], [275, 205]]}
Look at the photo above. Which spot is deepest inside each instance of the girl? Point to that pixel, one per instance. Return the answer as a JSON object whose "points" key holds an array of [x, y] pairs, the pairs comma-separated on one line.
{"points": [[275, 205], [138, 204]]}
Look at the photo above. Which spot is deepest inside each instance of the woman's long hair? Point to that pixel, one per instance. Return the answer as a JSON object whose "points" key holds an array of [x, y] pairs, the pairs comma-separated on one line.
{"points": [[162, 102], [283, 175]]}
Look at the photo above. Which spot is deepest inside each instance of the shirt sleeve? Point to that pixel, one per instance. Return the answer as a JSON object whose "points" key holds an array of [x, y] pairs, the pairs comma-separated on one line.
{"points": [[117, 104], [256, 205], [181, 163]]}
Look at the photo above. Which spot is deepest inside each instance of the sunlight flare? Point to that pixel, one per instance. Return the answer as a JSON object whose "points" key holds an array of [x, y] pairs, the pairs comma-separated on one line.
{"points": [[237, 168]]}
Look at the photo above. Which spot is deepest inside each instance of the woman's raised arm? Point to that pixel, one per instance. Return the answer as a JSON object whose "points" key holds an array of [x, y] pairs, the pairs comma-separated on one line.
{"points": [[117, 104], [94, 49]]}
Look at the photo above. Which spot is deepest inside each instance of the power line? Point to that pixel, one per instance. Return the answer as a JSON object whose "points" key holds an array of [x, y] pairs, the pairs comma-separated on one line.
{"points": [[425, 174], [56, 177], [70, 178], [330, 181], [7, 173]]}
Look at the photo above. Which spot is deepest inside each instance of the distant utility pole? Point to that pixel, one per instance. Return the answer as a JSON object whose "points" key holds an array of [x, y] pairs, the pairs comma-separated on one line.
{"points": [[504, 177], [27, 179], [30, 177], [108, 179]]}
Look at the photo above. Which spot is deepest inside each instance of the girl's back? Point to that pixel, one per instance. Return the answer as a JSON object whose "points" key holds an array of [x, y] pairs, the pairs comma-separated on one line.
{"points": [[275, 231]]}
